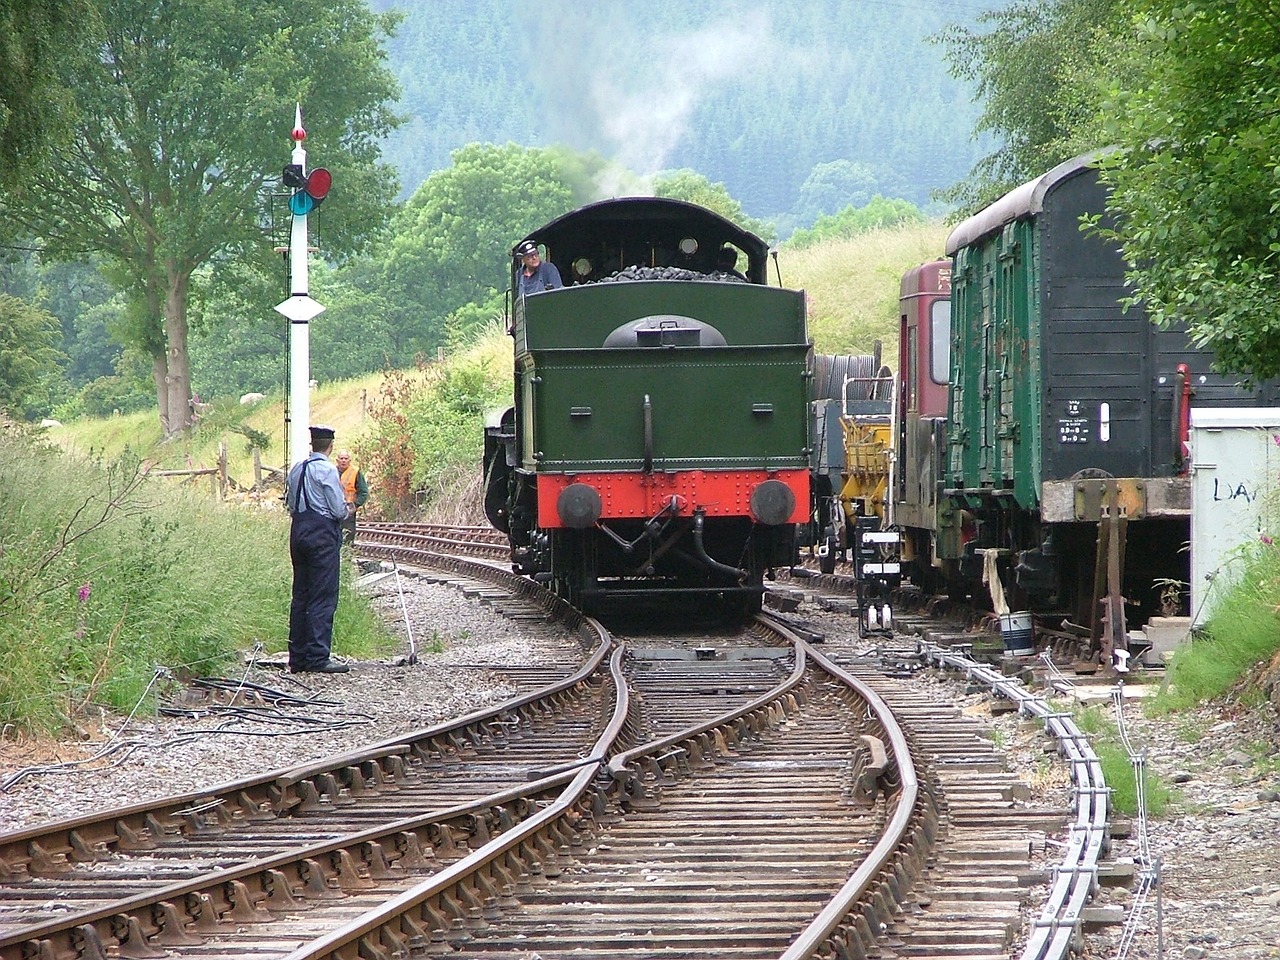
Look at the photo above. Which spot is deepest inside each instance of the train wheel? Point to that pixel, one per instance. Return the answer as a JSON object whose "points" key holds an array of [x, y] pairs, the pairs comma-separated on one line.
{"points": [[567, 565]]}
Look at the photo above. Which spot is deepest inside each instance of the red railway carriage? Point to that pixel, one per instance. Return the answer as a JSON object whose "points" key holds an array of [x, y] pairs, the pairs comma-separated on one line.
{"points": [[924, 356]]}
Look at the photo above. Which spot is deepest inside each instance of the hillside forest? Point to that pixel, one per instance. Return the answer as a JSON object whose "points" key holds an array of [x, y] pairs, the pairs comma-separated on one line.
{"points": [[777, 114], [142, 212]]}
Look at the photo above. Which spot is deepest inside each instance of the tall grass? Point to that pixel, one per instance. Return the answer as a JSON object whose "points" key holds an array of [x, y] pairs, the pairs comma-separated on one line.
{"points": [[108, 576], [1117, 768], [342, 404], [852, 285], [1243, 631]]}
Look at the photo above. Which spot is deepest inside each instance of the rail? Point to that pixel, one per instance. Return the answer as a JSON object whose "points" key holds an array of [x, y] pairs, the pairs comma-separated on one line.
{"points": [[439, 905], [874, 891], [1058, 927]]}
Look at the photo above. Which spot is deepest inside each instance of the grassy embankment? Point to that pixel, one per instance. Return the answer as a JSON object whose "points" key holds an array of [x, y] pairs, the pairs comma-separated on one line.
{"points": [[107, 574], [110, 580]]}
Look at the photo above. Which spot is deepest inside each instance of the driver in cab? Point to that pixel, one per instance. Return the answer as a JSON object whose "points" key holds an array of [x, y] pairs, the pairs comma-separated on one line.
{"points": [[535, 274]]}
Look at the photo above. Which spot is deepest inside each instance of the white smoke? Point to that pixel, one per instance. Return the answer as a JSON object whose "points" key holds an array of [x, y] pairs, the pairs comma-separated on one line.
{"points": [[643, 89], [645, 125]]}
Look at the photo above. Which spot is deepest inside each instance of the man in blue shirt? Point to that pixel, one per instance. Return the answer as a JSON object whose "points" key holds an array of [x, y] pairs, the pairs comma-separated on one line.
{"points": [[534, 275], [316, 502]]}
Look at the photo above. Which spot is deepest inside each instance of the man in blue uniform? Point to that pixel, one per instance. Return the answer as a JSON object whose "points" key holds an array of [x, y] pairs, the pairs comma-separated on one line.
{"points": [[314, 498], [534, 275]]}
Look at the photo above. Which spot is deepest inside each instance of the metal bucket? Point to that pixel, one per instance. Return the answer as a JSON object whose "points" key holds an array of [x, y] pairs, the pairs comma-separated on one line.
{"points": [[1018, 634]]}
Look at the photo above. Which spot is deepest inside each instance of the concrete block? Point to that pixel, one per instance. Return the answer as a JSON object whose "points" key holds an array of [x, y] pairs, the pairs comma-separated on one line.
{"points": [[1164, 634]]}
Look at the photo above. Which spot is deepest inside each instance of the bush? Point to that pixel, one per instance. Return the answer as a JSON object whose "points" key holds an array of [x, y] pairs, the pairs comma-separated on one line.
{"points": [[426, 441], [850, 222], [106, 395], [1243, 631], [107, 576]]}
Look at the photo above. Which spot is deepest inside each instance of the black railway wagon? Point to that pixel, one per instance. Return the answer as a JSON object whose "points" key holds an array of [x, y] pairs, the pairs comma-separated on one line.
{"points": [[1067, 413]]}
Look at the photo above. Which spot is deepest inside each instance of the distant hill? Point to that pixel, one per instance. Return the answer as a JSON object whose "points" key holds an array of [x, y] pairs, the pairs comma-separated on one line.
{"points": [[751, 95]]}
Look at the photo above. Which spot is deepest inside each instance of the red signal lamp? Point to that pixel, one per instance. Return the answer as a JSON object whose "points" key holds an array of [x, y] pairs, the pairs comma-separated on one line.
{"points": [[319, 181], [314, 189]]}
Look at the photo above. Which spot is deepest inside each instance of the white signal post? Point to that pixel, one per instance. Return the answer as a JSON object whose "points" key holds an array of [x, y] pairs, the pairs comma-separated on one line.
{"points": [[299, 309]]}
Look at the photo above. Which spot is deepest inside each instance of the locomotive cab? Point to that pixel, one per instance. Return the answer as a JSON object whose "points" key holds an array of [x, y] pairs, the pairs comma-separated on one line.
{"points": [[659, 437]]}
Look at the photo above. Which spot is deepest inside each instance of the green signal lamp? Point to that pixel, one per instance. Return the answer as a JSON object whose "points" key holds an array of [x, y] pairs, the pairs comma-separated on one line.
{"points": [[315, 187]]}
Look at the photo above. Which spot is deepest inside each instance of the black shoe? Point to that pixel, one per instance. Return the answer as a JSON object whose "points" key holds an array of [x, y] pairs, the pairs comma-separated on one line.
{"points": [[331, 666]]}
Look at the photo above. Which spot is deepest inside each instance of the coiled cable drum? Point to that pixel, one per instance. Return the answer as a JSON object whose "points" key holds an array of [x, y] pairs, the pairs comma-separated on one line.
{"points": [[850, 377]]}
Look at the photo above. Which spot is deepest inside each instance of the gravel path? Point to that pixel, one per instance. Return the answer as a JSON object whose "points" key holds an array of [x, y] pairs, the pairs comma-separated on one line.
{"points": [[114, 762], [1220, 895]]}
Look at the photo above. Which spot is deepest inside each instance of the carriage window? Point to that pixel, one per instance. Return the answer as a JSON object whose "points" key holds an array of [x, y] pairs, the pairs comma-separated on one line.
{"points": [[940, 340], [913, 366]]}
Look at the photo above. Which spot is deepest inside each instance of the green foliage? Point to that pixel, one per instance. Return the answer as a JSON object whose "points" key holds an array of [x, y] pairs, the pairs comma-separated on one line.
{"points": [[204, 93], [422, 448], [448, 420], [1036, 67], [754, 96], [104, 396], [451, 244], [878, 213], [851, 286], [1195, 184], [1121, 777], [29, 353], [466, 323], [841, 184], [34, 106], [693, 187], [1118, 770], [127, 390], [106, 576], [1243, 630]]}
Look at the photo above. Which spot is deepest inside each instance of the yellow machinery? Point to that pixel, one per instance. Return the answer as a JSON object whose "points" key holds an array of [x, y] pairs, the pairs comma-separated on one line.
{"points": [[868, 453]]}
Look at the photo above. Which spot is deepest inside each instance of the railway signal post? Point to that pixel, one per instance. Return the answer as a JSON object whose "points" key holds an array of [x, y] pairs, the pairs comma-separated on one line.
{"points": [[299, 308]]}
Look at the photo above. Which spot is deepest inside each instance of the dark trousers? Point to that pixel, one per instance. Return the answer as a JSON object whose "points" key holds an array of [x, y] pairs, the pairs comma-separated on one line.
{"points": [[314, 546], [349, 530]]}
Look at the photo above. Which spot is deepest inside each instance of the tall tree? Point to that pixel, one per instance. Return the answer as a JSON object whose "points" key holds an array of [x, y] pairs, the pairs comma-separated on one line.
{"points": [[1195, 182], [1037, 68], [28, 353], [833, 186], [183, 110], [34, 35], [453, 240], [693, 187]]}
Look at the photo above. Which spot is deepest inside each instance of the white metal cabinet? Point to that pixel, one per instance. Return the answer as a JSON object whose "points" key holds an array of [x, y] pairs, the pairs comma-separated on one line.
{"points": [[1235, 476]]}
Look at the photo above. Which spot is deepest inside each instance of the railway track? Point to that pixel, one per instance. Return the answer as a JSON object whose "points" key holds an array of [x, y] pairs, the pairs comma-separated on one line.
{"points": [[684, 794]]}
